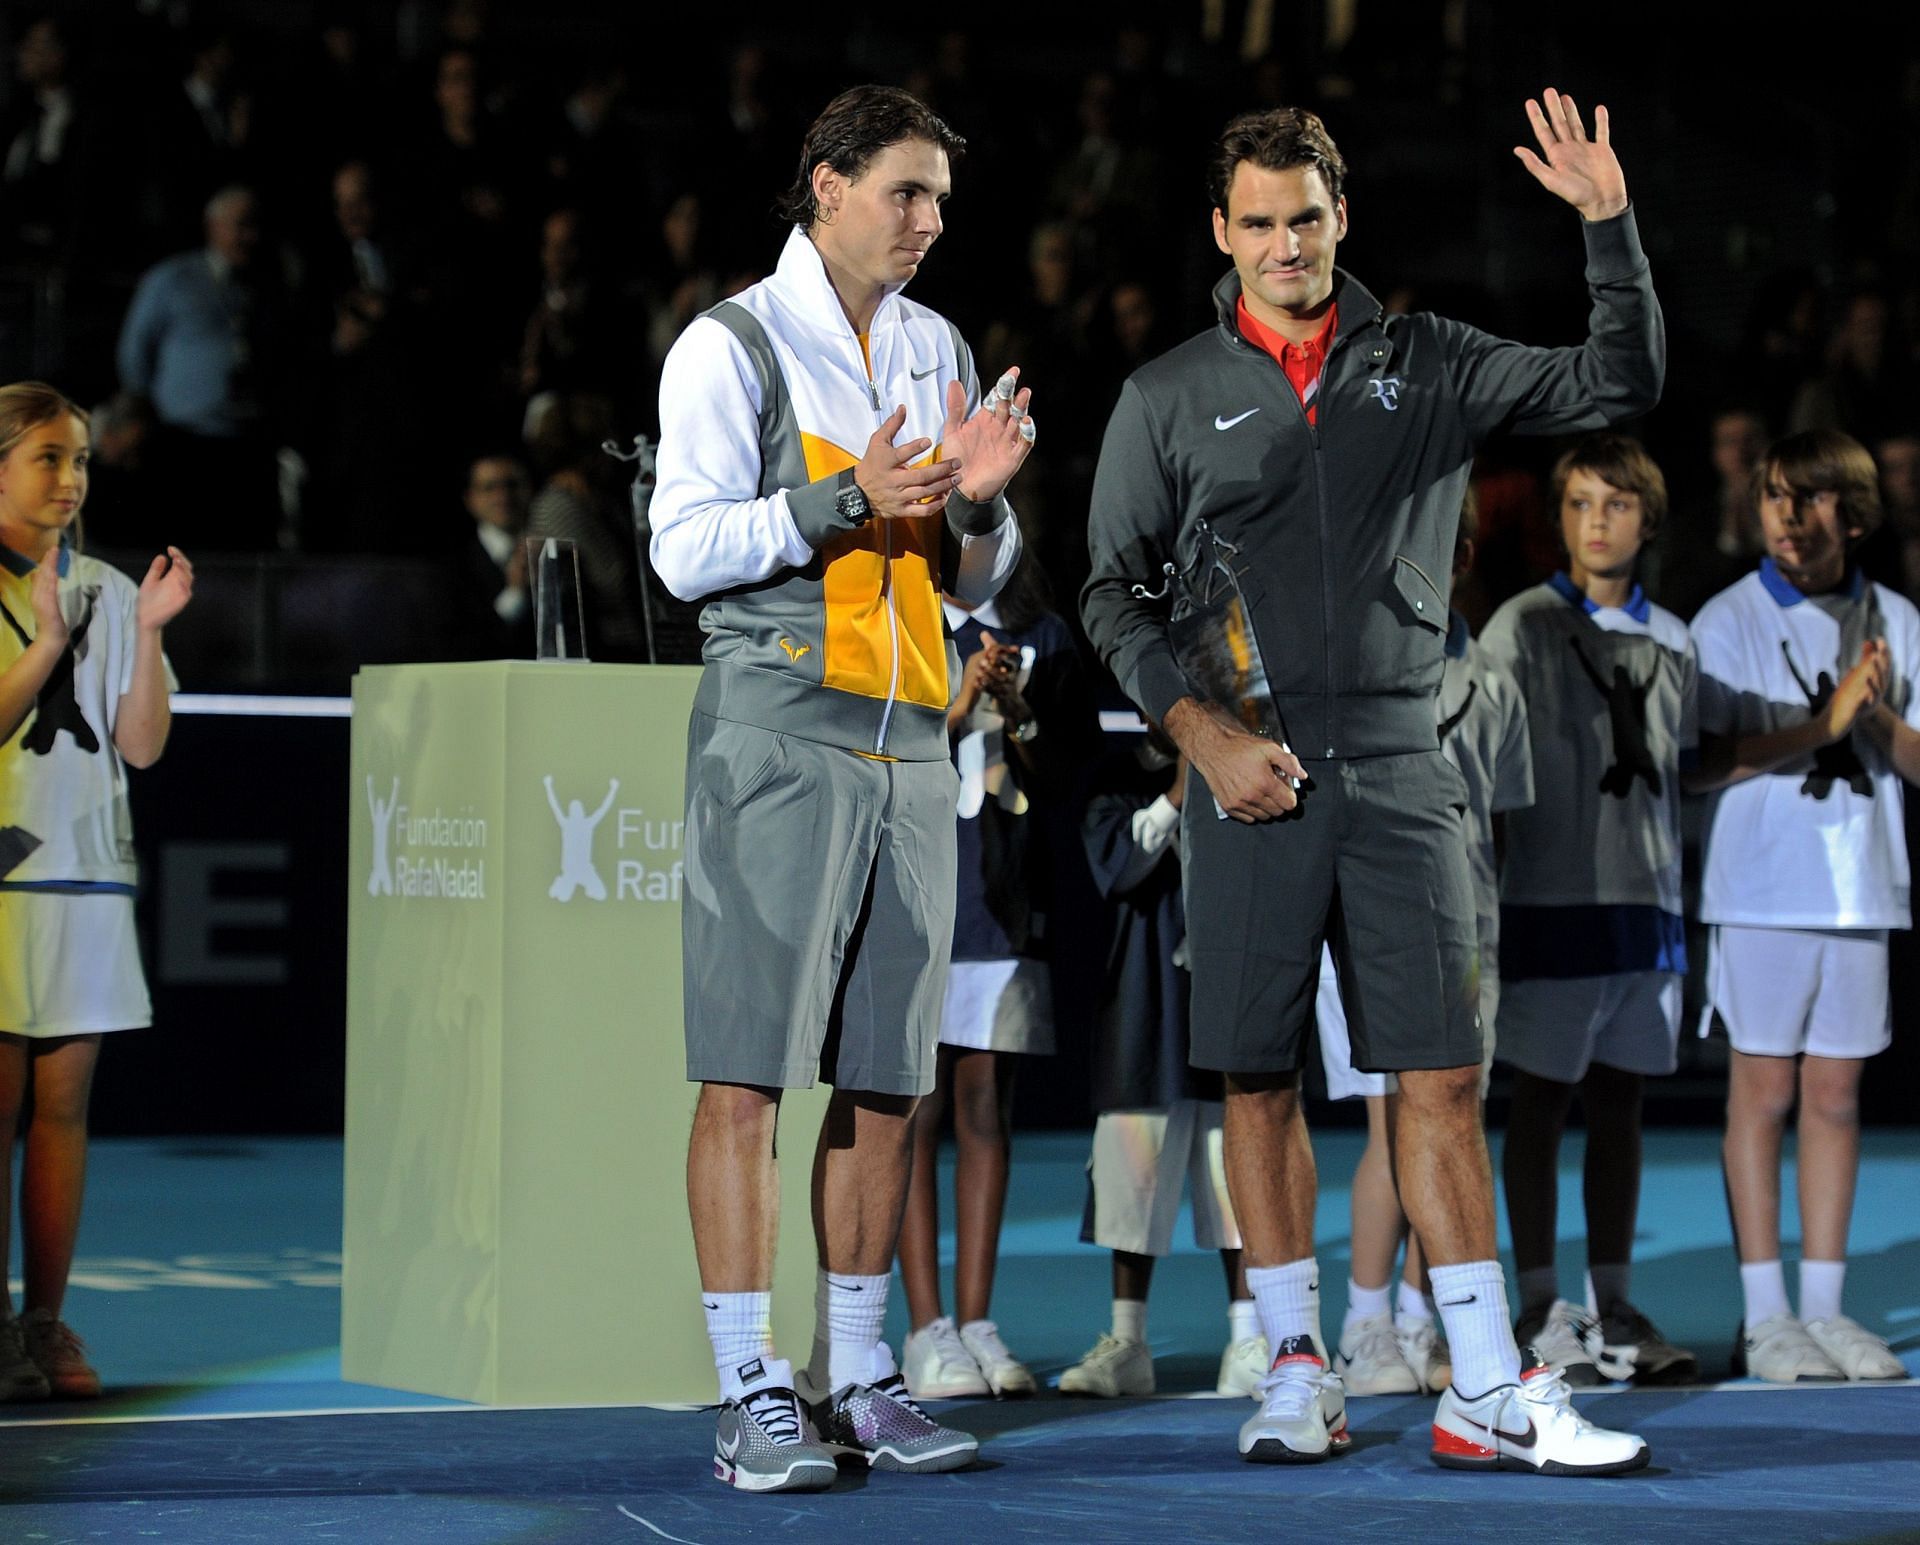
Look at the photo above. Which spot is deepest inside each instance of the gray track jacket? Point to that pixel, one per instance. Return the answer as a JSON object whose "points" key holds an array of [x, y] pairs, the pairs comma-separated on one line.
{"points": [[1345, 530]]}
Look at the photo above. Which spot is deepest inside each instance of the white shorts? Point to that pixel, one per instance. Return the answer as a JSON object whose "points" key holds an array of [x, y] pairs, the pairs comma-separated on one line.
{"points": [[1556, 1027], [998, 1005], [69, 965], [1336, 1051], [1783, 991], [1140, 1158]]}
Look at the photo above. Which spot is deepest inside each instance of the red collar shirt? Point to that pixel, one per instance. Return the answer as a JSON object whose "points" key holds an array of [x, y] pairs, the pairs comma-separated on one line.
{"points": [[1302, 362]]}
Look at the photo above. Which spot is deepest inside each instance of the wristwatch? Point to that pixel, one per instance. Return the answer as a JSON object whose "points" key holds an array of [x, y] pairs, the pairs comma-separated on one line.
{"points": [[850, 501]]}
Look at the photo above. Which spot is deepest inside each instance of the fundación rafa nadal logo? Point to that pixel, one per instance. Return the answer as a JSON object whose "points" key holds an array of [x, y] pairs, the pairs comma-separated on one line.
{"points": [[576, 844]]}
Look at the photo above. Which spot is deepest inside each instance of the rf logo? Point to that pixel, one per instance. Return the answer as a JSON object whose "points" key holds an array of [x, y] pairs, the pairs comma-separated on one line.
{"points": [[1387, 390]]}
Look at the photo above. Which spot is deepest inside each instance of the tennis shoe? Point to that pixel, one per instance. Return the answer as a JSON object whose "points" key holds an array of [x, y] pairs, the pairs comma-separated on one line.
{"points": [[1243, 1367], [762, 1440], [1005, 1374], [1566, 1338], [1425, 1350], [1780, 1351], [938, 1366], [879, 1421], [1113, 1368], [1531, 1425], [1303, 1410], [20, 1375], [1370, 1361], [1632, 1349], [1856, 1351], [60, 1355]]}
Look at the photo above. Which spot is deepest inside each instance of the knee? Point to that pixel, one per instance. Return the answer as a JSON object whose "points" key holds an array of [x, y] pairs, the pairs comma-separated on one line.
{"points": [[977, 1115], [743, 1112], [1831, 1100], [1762, 1096]]}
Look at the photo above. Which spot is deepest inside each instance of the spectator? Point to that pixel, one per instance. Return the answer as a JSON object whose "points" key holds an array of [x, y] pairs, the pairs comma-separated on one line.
{"points": [[43, 178], [573, 340], [197, 137], [205, 341], [1869, 389], [1707, 548], [1891, 555], [496, 613], [584, 501]]}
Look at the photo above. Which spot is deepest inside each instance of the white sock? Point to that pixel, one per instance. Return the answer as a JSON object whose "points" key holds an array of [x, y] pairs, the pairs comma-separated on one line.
{"points": [[1130, 1320], [1764, 1286], [1364, 1304], [1607, 1286], [1288, 1300], [1412, 1304], [1472, 1300], [1538, 1287], [1243, 1320], [740, 1326], [1820, 1285], [848, 1313]]}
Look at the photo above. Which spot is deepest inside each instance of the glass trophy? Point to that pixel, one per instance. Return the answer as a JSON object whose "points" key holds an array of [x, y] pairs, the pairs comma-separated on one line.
{"points": [[1211, 632], [554, 567]]}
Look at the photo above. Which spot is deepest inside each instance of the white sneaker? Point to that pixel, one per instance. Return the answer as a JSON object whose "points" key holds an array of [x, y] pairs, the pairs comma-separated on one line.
{"points": [[1780, 1351], [938, 1364], [1114, 1367], [1303, 1410], [20, 1375], [1425, 1350], [1856, 1351], [1006, 1375], [1564, 1337], [1531, 1425], [1243, 1366], [1370, 1361]]}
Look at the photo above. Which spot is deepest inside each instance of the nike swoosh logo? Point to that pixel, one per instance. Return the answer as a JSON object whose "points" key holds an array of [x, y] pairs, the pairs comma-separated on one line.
{"points": [[921, 375], [729, 1447], [1526, 1439], [848, 1287], [1455, 1303], [708, 1305], [1228, 423]]}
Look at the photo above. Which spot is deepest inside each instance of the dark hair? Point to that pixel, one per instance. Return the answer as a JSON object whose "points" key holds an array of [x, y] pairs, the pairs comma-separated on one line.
{"points": [[1622, 461], [854, 128], [1276, 141], [1819, 461]]}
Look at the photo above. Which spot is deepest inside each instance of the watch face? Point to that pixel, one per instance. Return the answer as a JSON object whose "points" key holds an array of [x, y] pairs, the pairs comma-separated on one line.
{"points": [[852, 504]]}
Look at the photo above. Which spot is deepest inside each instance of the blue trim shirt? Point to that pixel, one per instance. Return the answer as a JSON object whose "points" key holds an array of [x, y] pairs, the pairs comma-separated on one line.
{"points": [[65, 825], [1591, 882], [1821, 842]]}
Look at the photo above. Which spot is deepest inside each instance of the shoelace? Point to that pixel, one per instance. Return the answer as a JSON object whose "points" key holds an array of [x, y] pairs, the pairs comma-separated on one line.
{"points": [[986, 1336], [1297, 1391], [56, 1338], [1378, 1342], [778, 1413], [895, 1389]]}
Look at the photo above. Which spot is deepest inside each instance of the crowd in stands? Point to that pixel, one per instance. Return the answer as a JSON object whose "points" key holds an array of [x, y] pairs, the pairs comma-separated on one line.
{"points": [[316, 277]]}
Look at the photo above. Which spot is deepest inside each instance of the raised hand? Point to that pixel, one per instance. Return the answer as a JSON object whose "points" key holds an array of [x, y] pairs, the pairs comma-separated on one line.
{"points": [[996, 441], [1580, 170], [896, 489], [43, 593], [165, 591]]}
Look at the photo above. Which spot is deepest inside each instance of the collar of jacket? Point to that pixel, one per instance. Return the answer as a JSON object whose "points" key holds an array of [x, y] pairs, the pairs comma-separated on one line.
{"points": [[1360, 313], [801, 281]]}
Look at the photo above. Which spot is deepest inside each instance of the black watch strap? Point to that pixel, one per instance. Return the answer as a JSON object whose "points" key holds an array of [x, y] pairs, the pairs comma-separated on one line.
{"points": [[851, 500]]}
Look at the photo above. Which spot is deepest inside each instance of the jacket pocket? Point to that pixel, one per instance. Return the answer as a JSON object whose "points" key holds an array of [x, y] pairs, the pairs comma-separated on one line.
{"points": [[1419, 595]]}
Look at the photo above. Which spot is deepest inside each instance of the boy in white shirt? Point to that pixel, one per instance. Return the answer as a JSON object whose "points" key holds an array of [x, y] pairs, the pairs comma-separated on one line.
{"points": [[1807, 717], [1592, 935]]}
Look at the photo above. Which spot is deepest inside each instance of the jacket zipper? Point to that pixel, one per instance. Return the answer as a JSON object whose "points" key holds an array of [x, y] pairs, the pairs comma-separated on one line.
{"points": [[886, 570]]}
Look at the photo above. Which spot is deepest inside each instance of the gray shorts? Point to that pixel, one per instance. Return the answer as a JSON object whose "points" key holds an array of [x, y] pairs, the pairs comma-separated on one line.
{"points": [[818, 911], [1374, 863]]}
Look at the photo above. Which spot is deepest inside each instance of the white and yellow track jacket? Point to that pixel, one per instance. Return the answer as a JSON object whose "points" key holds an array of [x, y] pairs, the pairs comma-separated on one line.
{"points": [[814, 627]]}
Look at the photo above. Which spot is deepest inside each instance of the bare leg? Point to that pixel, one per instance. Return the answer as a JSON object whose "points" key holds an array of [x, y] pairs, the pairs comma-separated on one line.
{"points": [[53, 1167], [1414, 1274], [733, 1187], [1829, 1154], [14, 1064], [860, 1172], [1440, 1152], [1132, 1275], [1530, 1165], [1236, 1268], [1378, 1222], [983, 1143], [1611, 1177], [1270, 1171], [920, 1229], [1759, 1100]]}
